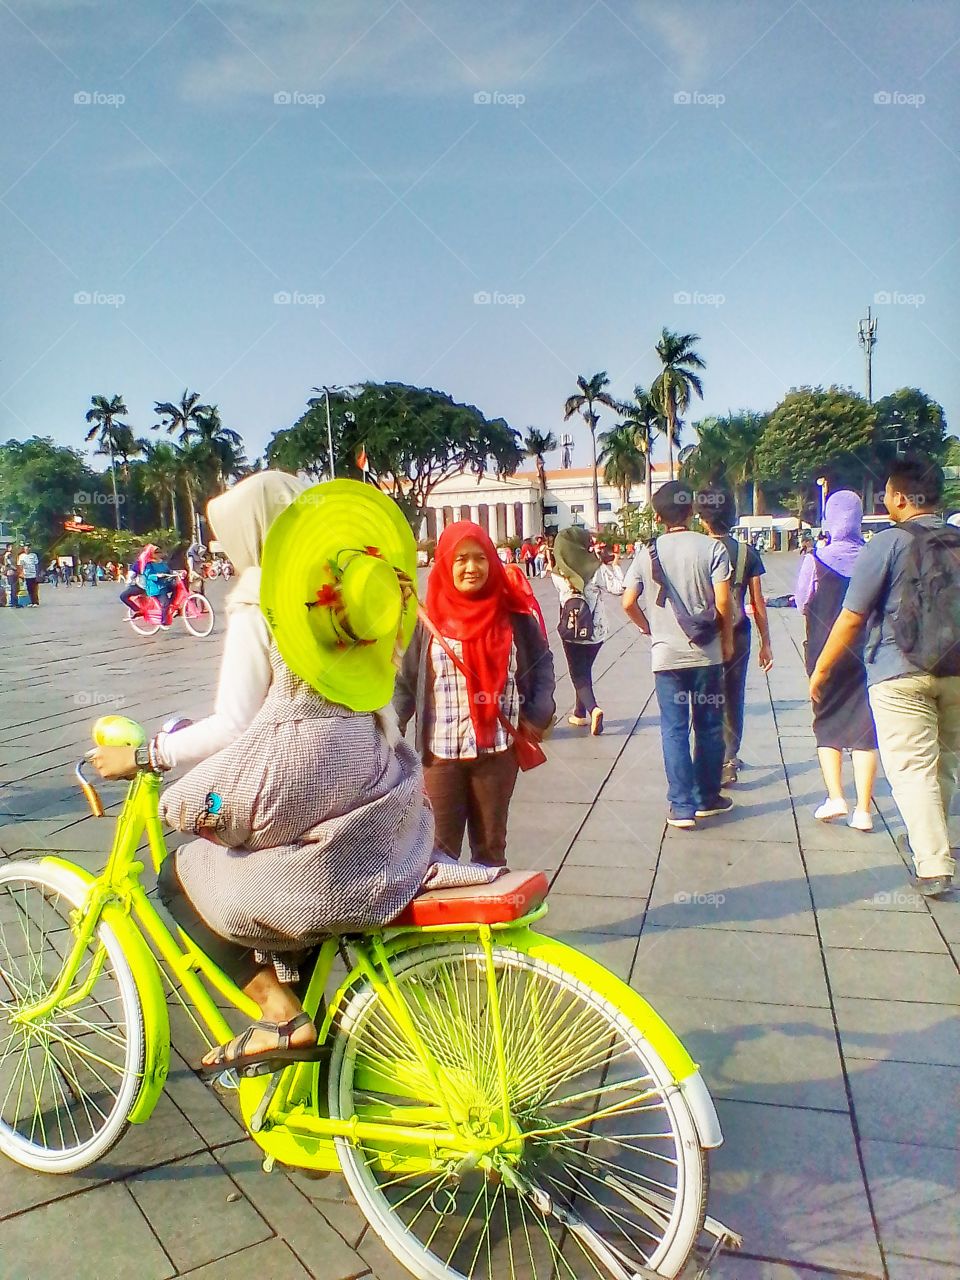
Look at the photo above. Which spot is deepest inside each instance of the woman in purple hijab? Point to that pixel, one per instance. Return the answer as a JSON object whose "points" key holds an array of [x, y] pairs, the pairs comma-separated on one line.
{"points": [[842, 719]]}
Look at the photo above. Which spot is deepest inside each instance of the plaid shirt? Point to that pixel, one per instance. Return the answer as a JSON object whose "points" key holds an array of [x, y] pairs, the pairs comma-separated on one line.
{"points": [[452, 735]]}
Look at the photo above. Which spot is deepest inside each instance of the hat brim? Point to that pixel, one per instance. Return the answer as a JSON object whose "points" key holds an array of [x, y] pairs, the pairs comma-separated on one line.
{"points": [[320, 523]]}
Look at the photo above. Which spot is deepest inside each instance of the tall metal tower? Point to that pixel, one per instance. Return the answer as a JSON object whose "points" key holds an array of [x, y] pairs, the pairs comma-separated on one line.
{"points": [[566, 451], [868, 340]]}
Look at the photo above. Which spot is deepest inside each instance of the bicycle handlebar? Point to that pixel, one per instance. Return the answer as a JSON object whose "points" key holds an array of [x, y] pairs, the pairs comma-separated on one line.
{"points": [[89, 790]]}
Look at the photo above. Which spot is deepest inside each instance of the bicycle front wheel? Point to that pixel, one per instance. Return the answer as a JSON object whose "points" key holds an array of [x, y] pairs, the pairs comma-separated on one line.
{"points": [[198, 614], [143, 624], [68, 1079], [603, 1168]]}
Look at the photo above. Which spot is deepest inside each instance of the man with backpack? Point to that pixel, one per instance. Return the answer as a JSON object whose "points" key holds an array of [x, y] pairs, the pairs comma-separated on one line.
{"points": [[717, 509], [906, 587], [677, 591]]}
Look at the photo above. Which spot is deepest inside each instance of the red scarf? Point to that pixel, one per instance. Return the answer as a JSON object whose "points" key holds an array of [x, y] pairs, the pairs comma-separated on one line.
{"points": [[480, 621]]}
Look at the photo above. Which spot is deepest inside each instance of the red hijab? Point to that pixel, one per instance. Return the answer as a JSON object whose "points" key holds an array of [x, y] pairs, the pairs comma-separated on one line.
{"points": [[479, 620]]}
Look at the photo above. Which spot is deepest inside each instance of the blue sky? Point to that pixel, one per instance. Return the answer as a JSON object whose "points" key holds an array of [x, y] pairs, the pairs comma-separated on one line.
{"points": [[182, 196]]}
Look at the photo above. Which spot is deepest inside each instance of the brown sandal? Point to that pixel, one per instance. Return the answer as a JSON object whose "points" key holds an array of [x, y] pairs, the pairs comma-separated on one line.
{"points": [[267, 1060]]}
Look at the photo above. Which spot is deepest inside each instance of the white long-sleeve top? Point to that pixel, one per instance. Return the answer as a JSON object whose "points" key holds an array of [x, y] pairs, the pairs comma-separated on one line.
{"points": [[245, 678]]}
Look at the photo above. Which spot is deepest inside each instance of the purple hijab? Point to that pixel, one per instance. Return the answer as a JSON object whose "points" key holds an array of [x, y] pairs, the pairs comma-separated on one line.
{"points": [[842, 519]]}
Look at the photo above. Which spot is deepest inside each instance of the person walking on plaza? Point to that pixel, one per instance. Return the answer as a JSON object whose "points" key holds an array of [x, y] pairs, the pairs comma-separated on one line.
{"points": [[677, 591], [717, 510], [842, 720], [29, 563], [11, 576], [906, 588], [478, 672], [528, 557], [583, 623]]}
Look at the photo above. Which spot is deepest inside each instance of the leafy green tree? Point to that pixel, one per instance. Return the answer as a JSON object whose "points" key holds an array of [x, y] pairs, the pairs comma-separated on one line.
{"points": [[414, 438], [624, 464], [813, 432], [536, 443], [113, 438], [591, 391], [41, 485], [160, 475], [217, 448], [706, 461], [641, 414], [676, 382], [726, 451], [908, 421]]}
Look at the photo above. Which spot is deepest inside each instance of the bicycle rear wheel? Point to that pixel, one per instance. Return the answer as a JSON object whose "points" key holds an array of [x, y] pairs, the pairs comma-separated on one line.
{"points": [[198, 614], [604, 1168], [69, 1079]]}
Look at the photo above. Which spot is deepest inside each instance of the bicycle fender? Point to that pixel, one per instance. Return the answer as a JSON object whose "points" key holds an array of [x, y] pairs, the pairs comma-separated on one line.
{"points": [[156, 1020], [662, 1039]]}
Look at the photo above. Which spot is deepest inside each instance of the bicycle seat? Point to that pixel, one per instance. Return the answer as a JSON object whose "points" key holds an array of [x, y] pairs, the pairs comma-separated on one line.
{"points": [[507, 898]]}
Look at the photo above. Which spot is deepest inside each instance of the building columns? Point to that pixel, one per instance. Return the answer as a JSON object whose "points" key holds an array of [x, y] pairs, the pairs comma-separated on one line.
{"points": [[475, 515], [511, 520]]}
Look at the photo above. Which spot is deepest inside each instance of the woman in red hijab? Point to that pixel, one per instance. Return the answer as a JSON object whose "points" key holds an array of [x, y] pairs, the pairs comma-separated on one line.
{"points": [[490, 623]]}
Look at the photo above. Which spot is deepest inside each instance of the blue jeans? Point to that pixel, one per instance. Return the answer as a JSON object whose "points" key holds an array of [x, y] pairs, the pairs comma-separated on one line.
{"points": [[691, 694], [735, 690]]}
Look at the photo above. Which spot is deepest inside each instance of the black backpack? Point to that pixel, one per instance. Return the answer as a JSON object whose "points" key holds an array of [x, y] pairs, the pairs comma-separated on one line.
{"points": [[926, 628], [576, 620]]}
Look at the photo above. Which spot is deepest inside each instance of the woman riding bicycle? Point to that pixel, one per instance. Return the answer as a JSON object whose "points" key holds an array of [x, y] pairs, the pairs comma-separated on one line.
{"points": [[154, 579]]}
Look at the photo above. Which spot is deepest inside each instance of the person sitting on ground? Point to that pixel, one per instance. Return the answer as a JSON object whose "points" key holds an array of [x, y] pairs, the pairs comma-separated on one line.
{"points": [[905, 587], [842, 720], [717, 510], [678, 593], [490, 627], [314, 820]]}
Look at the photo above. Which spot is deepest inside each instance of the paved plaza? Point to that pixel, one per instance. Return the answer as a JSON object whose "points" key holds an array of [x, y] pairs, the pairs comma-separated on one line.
{"points": [[819, 992]]}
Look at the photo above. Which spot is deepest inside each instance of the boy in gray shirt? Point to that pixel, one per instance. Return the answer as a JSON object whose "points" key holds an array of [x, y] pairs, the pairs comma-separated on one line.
{"points": [[677, 591]]}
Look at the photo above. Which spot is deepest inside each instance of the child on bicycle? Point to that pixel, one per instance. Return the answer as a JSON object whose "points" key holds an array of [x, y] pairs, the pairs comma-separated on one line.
{"points": [[153, 578]]}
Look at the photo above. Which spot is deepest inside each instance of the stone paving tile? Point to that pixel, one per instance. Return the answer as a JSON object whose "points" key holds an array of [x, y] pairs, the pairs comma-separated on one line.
{"points": [[571, 913], [866, 930], [91, 1237], [898, 1030], [907, 1102], [760, 1052], [614, 951], [901, 1268], [767, 822], [624, 882], [893, 975], [788, 1180], [735, 1266], [631, 851], [727, 964], [271, 1260], [187, 1205], [915, 1198]]}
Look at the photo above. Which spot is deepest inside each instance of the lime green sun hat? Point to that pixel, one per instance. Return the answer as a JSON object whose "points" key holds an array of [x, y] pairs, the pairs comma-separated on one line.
{"points": [[338, 590]]}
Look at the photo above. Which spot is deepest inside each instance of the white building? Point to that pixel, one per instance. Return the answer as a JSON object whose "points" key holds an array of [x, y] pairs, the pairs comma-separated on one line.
{"points": [[510, 508]]}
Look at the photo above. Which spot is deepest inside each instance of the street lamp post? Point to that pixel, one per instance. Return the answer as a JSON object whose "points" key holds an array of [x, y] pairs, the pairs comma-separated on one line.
{"points": [[333, 470]]}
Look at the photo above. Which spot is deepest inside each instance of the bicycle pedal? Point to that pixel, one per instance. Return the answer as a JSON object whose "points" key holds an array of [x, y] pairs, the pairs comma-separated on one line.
{"points": [[227, 1080]]}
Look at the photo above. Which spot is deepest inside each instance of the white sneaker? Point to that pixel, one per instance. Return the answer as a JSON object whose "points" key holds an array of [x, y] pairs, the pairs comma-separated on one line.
{"points": [[861, 820], [578, 721], [831, 810]]}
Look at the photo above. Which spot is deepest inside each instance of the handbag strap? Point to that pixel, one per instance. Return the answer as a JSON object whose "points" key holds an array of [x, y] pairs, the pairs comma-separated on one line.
{"points": [[441, 641]]}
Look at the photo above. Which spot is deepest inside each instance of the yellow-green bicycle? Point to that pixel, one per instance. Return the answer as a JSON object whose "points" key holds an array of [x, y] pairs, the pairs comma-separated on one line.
{"points": [[500, 1105]]}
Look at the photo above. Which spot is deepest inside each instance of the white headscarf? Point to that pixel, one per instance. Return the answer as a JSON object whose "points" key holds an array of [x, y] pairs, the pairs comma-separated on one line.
{"points": [[240, 519]]}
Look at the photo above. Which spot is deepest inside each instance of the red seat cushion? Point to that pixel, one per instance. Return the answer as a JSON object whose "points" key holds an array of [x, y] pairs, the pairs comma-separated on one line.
{"points": [[507, 898]]}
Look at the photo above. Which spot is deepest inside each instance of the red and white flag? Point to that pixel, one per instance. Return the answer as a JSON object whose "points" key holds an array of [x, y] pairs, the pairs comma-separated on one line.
{"points": [[363, 462]]}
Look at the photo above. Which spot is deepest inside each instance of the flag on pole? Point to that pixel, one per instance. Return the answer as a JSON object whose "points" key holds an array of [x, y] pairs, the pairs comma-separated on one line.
{"points": [[363, 462]]}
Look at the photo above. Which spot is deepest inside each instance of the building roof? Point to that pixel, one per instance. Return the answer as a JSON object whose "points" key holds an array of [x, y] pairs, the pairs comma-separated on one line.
{"points": [[581, 473]]}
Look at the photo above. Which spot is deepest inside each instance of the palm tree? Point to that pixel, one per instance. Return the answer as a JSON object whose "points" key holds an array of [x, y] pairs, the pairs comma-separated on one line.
{"points": [[112, 437], [706, 461], [222, 447], [181, 416], [641, 414], [160, 474], [591, 391], [537, 443], [623, 458], [743, 431], [676, 381]]}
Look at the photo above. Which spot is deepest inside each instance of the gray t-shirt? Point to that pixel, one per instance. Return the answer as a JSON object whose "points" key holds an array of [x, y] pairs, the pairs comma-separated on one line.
{"points": [[874, 590], [692, 563]]}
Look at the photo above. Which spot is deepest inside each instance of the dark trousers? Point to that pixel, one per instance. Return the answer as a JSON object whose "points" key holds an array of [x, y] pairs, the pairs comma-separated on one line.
{"points": [[238, 963], [12, 592], [33, 589], [735, 692], [472, 796], [129, 598], [580, 660], [691, 695], [530, 568]]}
